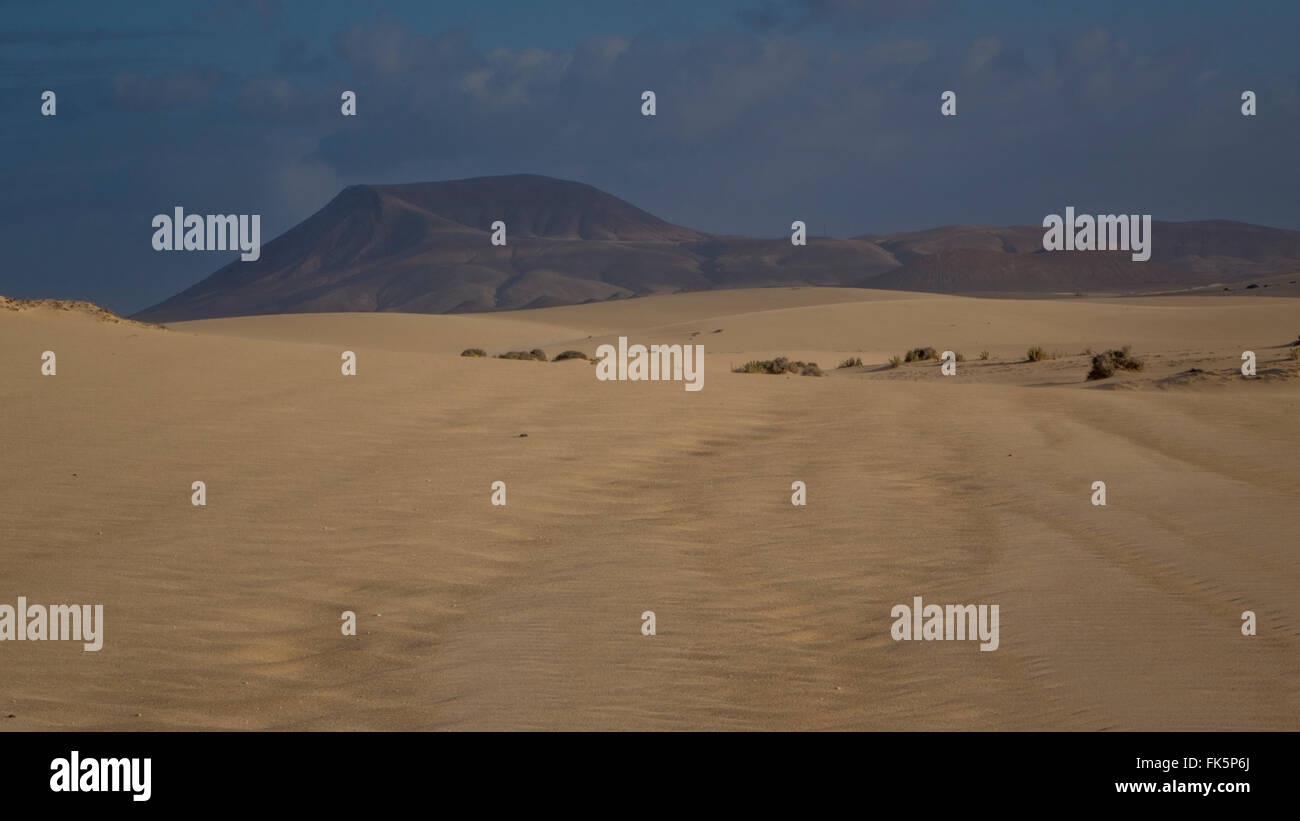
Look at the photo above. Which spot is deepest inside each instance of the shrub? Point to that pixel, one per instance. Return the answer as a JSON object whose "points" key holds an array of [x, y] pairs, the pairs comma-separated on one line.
{"points": [[1102, 367], [535, 353], [961, 357], [570, 355], [1123, 359], [895, 361], [473, 352], [854, 362], [1106, 363], [1037, 354], [779, 365], [1295, 352], [919, 354], [984, 355]]}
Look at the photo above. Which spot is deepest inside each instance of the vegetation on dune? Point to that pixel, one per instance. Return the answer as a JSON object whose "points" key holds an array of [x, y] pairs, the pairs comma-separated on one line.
{"points": [[536, 353], [1106, 363], [779, 365]]}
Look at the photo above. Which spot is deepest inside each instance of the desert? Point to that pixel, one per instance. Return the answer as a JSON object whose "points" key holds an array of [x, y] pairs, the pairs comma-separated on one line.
{"points": [[328, 493]]}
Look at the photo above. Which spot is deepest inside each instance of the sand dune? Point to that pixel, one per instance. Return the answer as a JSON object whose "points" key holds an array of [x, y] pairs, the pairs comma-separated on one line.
{"points": [[371, 493]]}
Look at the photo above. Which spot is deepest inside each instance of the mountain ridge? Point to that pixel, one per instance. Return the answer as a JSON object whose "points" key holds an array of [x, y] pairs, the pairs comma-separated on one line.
{"points": [[424, 248]]}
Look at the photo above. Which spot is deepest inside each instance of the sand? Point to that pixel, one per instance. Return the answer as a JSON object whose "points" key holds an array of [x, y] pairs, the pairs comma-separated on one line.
{"points": [[372, 494]]}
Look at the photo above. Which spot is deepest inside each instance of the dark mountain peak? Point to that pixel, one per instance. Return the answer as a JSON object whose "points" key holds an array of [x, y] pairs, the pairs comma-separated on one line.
{"points": [[532, 205]]}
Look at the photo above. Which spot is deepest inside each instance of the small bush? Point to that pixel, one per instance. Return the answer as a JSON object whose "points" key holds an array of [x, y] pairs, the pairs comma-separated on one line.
{"points": [[1123, 359], [1037, 354], [854, 362], [536, 353], [961, 357], [570, 355], [920, 354], [1106, 363], [1102, 367], [780, 365], [984, 355], [895, 361], [1295, 352], [473, 352]]}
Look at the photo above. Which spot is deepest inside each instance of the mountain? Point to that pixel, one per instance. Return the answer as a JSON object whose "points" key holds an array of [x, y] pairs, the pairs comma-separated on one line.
{"points": [[984, 259], [424, 248], [976, 270]]}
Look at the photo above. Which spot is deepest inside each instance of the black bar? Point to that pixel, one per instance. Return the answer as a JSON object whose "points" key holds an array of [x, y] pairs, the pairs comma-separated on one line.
{"points": [[455, 772]]}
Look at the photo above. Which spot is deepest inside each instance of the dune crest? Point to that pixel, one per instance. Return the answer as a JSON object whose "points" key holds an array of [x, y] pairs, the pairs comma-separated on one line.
{"points": [[74, 306]]}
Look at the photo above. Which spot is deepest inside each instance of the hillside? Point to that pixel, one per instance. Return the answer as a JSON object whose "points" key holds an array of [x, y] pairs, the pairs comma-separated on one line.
{"points": [[425, 248]]}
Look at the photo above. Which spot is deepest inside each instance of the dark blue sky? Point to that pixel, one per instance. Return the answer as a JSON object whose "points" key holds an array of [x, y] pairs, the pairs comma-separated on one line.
{"points": [[769, 110]]}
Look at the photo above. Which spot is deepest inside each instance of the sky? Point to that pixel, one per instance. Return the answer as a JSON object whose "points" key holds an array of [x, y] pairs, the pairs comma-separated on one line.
{"points": [[767, 111]]}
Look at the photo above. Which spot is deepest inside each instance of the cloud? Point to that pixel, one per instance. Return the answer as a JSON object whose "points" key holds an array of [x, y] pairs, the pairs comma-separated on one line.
{"points": [[273, 97], [990, 54], [900, 53], [511, 78], [791, 15], [1105, 73], [87, 37], [267, 14], [387, 49], [296, 56], [302, 186], [602, 52], [139, 92], [736, 111]]}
